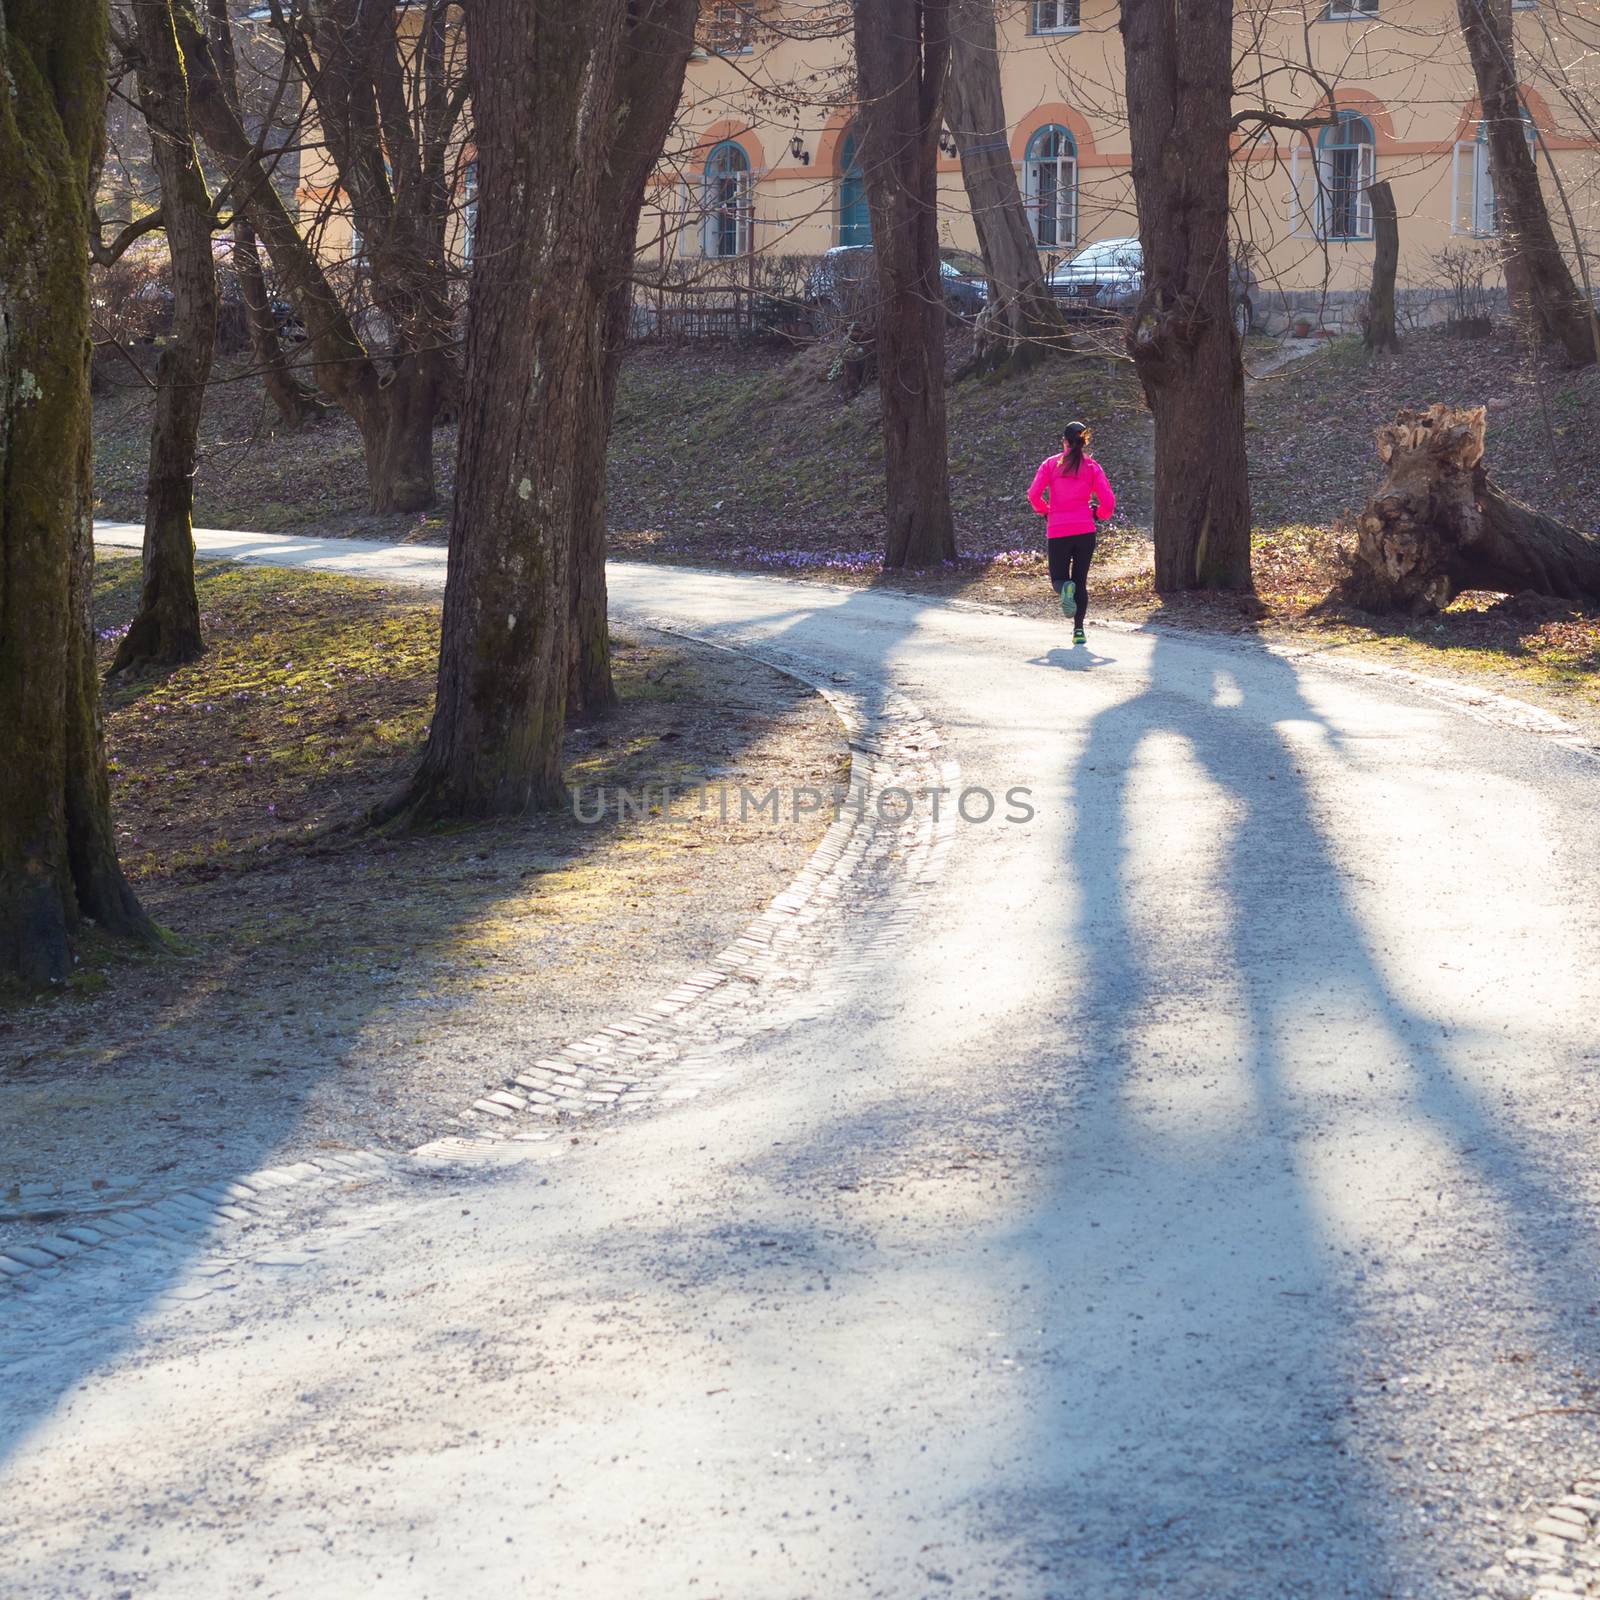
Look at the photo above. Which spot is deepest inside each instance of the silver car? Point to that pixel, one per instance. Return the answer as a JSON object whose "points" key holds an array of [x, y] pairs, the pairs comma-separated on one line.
{"points": [[1105, 279]]}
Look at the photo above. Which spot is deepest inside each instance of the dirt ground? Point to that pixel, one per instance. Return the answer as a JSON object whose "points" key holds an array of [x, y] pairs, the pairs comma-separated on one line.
{"points": [[334, 988]]}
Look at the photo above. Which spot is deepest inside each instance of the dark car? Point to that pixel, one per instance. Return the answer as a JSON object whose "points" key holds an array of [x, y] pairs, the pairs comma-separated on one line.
{"points": [[844, 282], [1106, 279]]}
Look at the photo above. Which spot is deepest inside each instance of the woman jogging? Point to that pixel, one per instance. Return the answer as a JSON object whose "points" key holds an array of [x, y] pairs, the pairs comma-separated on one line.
{"points": [[1073, 494]]}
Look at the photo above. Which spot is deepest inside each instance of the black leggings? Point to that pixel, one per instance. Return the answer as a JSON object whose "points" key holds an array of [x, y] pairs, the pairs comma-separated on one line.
{"points": [[1069, 558]]}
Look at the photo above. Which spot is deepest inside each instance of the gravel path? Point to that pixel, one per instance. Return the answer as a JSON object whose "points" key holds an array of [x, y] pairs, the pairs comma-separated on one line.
{"points": [[1190, 1191]]}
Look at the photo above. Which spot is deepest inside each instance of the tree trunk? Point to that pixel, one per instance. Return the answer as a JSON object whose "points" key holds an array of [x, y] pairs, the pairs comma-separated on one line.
{"points": [[548, 84], [58, 860], [296, 403], [398, 439], [1439, 525], [1025, 322], [1381, 334], [655, 55], [590, 689], [165, 630], [1537, 277], [1181, 337], [902, 60]]}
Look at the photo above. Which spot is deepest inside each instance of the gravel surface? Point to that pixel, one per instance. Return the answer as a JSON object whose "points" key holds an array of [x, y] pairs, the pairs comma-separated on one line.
{"points": [[1201, 1201], [362, 991]]}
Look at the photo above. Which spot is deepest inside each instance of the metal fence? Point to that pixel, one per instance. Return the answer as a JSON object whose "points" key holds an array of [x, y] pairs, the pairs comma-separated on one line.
{"points": [[753, 296]]}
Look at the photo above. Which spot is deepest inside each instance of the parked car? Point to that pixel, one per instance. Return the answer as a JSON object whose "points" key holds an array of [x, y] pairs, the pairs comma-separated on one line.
{"points": [[844, 282], [1106, 279]]}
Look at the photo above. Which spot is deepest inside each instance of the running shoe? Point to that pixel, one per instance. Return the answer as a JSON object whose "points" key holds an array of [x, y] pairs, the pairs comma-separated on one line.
{"points": [[1079, 636], [1069, 598]]}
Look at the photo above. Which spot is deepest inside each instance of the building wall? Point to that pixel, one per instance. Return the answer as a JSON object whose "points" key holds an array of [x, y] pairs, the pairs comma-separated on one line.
{"points": [[1403, 70]]}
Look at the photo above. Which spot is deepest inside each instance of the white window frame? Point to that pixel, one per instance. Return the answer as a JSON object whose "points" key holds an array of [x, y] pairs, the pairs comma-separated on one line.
{"points": [[1050, 16], [1366, 174], [1066, 182], [716, 207], [1472, 201], [1350, 10], [469, 211]]}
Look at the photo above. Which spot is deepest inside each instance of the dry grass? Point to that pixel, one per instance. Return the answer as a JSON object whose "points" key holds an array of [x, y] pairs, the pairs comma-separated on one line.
{"points": [[749, 459], [329, 985]]}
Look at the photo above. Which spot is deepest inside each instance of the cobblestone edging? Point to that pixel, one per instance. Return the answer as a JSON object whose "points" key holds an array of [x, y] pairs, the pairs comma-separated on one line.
{"points": [[1560, 1557], [674, 1047], [180, 1221], [667, 1051]]}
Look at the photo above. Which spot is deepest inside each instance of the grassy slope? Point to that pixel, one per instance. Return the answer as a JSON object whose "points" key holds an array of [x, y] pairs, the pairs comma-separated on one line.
{"points": [[718, 455], [750, 458], [1312, 425], [252, 474]]}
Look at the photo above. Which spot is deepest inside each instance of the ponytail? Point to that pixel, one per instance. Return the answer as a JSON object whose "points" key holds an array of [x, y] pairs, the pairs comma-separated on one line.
{"points": [[1075, 440]]}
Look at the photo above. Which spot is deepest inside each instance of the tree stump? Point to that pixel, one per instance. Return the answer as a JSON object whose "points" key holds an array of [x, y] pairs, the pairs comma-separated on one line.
{"points": [[1439, 525]]}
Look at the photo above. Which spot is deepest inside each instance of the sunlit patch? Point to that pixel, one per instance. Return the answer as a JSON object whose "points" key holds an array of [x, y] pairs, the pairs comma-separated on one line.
{"points": [[1228, 694], [1187, 1076]]}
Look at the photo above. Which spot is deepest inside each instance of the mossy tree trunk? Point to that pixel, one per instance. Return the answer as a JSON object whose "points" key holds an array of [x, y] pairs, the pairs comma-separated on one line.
{"points": [[166, 628], [591, 690], [1181, 336], [902, 60], [1026, 323], [551, 86], [58, 860]]}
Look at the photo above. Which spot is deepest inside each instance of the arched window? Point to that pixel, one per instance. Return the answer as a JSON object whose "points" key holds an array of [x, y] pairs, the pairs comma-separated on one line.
{"points": [[726, 200], [1050, 184], [855, 219], [1475, 210], [1346, 170]]}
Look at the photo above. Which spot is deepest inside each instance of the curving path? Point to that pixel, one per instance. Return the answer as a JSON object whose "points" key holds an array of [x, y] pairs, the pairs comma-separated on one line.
{"points": [[1201, 1201]]}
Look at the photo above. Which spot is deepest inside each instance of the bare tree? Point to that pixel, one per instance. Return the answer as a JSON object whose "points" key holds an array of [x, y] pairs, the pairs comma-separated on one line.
{"points": [[650, 84], [1181, 336], [393, 394], [1026, 323], [386, 89], [902, 59], [1538, 278], [58, 858], [550, 85], [166, 627], [297, 403]]}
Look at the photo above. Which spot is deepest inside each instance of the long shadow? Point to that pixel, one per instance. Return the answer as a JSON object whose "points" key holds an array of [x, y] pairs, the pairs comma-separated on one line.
{"points": [[1229, 1048], [100, 1303]]}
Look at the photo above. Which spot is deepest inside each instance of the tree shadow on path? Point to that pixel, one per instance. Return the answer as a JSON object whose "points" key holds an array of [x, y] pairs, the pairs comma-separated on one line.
{"points": [[1246, 1072]]}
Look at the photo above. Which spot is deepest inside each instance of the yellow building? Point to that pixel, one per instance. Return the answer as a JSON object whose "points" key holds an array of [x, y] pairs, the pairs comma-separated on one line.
{"points": [[763, 162], [766, 162]]}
